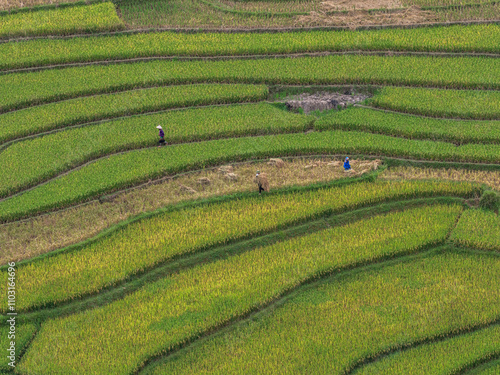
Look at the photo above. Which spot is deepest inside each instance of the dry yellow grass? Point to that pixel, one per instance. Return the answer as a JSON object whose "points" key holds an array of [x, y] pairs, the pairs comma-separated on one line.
{"points": [[356, 18], [42, 234], [335, 5], [491, 179]]}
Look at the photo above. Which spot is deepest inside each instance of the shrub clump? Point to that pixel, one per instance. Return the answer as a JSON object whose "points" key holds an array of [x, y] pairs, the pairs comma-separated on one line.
{"points": [[490, 200]]}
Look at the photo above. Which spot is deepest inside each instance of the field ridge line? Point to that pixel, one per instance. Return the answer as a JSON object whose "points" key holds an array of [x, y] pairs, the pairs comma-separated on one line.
{"points": [[360, 52], [124, 151], [101, 197], [8, 143], [65, 172], [289, 293], [380, 109], [52, 99], [127, 90], [110, 196], [477, 363], [254, 30], [194, 258], [416, 343]]}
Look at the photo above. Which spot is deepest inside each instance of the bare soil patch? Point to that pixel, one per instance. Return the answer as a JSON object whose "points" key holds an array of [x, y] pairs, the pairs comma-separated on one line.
{"points": [[334, 5], [323, 101], [354, 19]]}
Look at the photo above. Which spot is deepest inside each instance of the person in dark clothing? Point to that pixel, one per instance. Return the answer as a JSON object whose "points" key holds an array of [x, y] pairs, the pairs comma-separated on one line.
{"points": [[347, 166], [162, 136]]}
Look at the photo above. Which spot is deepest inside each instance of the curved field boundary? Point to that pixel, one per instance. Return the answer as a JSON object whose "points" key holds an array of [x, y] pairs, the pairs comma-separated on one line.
{"points": [[133, 167], [479, 229], [5, 145], [97, 142], [120, 264], [111, 196], [391, 161], [363, 118], [437, 339], [408, 224], [333, 121], [41, 316], [24, 335], [478, 364], [248, 57], [475, 39], [464, 104], [107, 156], [37, 8], [410, 114], [138, 139], [155, 361], [37, 120], [256, 30], [369, 177], [269, 309], [142, 89], [27, 89], [129, 285], [486, 367], [95, 17], [265, 14]]}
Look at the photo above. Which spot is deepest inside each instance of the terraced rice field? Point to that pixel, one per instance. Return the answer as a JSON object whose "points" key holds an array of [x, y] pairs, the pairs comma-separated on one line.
{"points": [[126, 257]]}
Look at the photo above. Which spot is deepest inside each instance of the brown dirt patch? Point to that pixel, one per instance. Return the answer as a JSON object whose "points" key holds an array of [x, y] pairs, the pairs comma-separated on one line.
{"points": [[322, 101], [333, 5], [357, 18]]}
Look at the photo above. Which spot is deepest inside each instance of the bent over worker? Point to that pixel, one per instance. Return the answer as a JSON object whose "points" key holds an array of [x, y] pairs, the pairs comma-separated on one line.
{"points": [[261, 180]]}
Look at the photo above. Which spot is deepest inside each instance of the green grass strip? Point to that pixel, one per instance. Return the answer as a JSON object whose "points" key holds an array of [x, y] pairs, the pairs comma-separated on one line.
{"points": [[61, 151], [76, 111], [51, 85], [328, 328], [70, 20], [36, 8], [413, 127], [464, 104], [442, 357], [478, 229], [20, 336], [123, 170], [85, 269], [177, 308], [473, 38], [490, 368]]}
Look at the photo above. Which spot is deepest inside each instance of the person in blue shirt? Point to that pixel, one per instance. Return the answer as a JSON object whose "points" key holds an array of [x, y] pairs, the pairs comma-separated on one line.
{"points": [[162, 136], [347, 166]]}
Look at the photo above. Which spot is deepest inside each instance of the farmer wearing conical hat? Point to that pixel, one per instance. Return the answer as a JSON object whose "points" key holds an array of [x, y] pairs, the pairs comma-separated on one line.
{"points": [[261, 180], [162, 136]]}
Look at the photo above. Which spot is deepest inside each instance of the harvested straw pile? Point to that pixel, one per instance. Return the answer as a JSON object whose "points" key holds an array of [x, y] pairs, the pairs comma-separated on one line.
{"points": [[261, 180]]}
